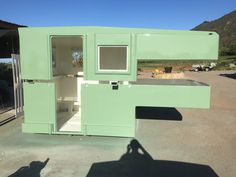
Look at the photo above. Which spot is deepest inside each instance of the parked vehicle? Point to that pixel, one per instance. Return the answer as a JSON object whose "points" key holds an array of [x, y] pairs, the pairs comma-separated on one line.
{"points": [[203, 67]]}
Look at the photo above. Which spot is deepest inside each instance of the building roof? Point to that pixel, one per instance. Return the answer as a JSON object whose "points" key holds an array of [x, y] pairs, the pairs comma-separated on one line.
{"points": [[9, 39], [8, 25]]}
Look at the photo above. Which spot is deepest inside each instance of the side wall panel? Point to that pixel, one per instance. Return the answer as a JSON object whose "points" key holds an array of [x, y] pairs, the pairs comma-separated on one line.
{"points": [[35, 62], [39, 107], [177, 46], [107, 112], [112, 112]]}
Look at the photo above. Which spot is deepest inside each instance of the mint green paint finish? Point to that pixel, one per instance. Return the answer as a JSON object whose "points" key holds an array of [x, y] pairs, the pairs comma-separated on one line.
{"points": [[37, 128], [112, 112], [171, 96], [39, 107], [143, 44], [110, 130], [115, 40], [177, 46], [105, 111], [34, 51]]}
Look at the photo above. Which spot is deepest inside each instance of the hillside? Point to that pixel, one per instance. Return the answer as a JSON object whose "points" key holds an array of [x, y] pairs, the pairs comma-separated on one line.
{"points": [[226, 28]]}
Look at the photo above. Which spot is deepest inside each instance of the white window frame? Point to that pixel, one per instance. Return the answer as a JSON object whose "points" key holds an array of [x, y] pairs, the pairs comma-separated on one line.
{"points": [[113, 70]]}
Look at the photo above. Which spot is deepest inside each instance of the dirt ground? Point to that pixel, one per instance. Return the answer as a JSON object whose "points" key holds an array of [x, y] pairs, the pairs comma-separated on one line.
{"points": [[201, 143]]}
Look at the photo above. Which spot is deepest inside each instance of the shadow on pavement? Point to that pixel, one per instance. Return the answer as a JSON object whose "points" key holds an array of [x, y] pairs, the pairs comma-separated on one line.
{"points": [[137, 162], [231, 76], [158, 113], [6, 120], [33, 170]]}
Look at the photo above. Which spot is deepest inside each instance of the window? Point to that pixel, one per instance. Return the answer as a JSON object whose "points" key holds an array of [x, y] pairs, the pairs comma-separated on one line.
{"points": [[67, 54], [113, 58]]}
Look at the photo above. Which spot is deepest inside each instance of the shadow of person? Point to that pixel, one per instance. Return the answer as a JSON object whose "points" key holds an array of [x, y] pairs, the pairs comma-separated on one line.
{"points": [[33, 170], [137, 162]]}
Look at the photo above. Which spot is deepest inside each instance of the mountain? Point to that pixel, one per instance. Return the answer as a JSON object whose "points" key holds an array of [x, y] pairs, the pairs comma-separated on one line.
{"points": [[226, 27]]}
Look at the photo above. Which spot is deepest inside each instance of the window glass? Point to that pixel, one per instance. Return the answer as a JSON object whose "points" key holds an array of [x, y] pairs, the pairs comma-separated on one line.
{"points": [[112, 58]]}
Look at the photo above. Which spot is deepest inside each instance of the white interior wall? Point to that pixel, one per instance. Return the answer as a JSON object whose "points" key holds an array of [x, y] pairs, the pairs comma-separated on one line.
{"points": [[66, 87], [62, 51], [64, 61]]}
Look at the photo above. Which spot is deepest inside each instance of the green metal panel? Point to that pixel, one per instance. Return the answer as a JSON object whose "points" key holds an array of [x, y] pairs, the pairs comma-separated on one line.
{"points": [[177, 46], [109, 130], [171, 96], [112, 112], [106, 111], [114, 40], [36, 128], [144, 44], [39, 106], [34, 48]]}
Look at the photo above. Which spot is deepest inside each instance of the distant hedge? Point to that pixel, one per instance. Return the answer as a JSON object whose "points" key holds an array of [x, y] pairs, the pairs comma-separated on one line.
{"points": [[229, 50], [6, 81]]}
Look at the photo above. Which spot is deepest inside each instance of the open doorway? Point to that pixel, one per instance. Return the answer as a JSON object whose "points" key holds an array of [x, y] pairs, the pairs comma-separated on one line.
{"points": [[67, 68]]}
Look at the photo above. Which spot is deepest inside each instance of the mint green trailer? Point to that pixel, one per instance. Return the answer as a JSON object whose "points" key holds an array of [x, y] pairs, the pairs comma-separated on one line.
{"points": [[83, 80]]}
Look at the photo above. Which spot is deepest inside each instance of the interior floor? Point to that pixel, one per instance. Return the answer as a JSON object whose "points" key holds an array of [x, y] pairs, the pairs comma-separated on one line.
{"points": [[69, 121], [68, 114]]}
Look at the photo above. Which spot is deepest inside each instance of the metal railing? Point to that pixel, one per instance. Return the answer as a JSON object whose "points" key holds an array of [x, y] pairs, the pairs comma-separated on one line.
{"points": [[18, 85]]}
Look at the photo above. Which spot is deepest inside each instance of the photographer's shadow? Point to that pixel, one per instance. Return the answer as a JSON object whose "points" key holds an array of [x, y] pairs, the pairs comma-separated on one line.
{"points": [[32, 170], [137, 162]]}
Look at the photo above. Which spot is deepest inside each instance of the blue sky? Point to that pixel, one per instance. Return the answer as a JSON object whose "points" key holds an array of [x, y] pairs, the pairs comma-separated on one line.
{"points": [[164, 14]]}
